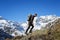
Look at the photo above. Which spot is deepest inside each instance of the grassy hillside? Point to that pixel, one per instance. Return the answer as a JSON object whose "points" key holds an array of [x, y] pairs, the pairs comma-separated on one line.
{"points": [[47, 34]]}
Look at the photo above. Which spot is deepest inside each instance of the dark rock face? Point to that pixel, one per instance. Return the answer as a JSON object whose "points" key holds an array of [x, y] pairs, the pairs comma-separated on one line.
{"points": [[4, 35]]}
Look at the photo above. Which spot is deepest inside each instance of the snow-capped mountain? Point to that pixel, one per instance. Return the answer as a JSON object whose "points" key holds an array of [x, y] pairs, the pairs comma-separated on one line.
{"points": [[11, 27], [42, 21], [16, 28]]}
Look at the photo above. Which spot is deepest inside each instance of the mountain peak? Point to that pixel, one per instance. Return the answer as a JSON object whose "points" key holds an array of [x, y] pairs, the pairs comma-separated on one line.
{"points": [[13, 27]]}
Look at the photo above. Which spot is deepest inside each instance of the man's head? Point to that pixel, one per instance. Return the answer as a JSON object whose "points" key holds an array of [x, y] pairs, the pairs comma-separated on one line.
{"points": [[35, 14]]}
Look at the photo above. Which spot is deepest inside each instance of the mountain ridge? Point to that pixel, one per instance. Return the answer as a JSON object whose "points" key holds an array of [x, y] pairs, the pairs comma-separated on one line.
{"points": [[15, 28]]}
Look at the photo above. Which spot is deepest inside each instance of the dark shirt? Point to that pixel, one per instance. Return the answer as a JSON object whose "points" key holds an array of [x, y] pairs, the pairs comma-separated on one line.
{"points": [[31, 18]]}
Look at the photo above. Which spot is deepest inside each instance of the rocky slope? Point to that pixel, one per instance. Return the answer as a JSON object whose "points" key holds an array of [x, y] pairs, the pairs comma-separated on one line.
{"points": [[50, 33]]}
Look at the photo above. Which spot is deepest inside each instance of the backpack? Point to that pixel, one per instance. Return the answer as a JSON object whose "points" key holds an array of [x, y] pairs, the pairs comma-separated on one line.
{"points": [[29, 17]]}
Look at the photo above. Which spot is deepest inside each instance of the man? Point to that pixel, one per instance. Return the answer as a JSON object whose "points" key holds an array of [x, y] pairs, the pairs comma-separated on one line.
{"points": [[30, 22]]}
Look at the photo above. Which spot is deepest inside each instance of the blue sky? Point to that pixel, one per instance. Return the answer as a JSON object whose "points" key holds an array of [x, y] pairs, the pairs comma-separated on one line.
{"points": [[18, 10]]}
